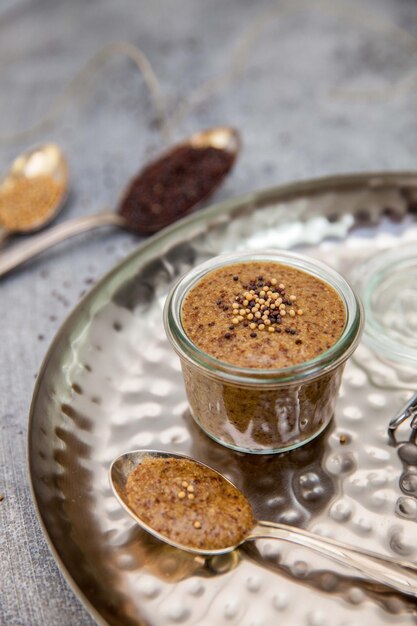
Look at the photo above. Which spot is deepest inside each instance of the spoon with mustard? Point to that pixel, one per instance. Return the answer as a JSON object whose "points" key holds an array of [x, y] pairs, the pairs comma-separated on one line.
{"points": [[33, 190], [192, 507], [164, 191]]}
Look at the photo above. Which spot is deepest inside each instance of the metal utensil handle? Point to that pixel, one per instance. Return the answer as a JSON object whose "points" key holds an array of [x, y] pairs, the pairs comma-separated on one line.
{"points": [[409, 411], [20, 253], [399, 575], [4, 235]]}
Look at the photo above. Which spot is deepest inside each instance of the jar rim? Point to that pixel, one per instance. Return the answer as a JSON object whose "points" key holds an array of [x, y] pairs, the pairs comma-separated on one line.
{"points": [[325, 361]]}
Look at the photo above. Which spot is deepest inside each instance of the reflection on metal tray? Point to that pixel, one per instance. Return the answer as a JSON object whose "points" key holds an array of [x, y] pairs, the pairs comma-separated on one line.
{"points": [[110, 383]]}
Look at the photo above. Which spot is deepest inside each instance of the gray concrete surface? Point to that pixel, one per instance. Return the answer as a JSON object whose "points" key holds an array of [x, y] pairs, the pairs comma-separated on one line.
{"points": [[294, 126]]}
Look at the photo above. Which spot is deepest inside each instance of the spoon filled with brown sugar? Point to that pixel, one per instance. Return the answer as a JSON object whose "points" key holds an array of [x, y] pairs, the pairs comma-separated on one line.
{"points": [[193, 507], [163, 192]]}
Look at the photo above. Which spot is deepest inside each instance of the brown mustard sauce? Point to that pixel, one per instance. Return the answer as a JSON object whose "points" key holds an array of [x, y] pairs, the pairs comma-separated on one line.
{"points": [[263, 314], [188, 503]]}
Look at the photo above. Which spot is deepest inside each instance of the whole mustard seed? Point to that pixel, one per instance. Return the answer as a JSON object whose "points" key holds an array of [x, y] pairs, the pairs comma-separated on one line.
{"points": [[181, 495], [27, 202], [260, 304], [197, 524]]}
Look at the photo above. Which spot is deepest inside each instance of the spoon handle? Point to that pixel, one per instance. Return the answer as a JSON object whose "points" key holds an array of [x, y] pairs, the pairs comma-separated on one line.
{"points": [[399, 575], [4, 235], [20, 253]]}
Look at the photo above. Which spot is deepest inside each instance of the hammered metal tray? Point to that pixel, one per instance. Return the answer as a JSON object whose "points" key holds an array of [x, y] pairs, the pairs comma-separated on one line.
{"points": [[110, 383]]}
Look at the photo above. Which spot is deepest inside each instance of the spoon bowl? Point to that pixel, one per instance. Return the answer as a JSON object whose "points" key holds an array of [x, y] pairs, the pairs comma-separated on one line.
{"points": [[119, 473], [177, 182], [43, 162], [220, 137], [398, 575]]}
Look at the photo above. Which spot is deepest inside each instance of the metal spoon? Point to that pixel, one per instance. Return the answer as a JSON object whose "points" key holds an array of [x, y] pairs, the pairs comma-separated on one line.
{"points": [[222, 138], [44, 160], [398, 575]]}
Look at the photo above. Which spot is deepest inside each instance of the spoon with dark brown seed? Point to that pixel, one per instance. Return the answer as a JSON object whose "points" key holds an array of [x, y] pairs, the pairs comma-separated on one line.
{"points": [[194, 508], [160, 194]]}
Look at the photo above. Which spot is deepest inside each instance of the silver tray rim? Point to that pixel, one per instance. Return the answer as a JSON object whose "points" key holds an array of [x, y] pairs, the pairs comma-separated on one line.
{"points": [[336, 183]]}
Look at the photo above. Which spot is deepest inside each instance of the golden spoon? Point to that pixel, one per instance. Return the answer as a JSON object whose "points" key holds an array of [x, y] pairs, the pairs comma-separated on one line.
{"points": [[33, 190], [398, 575], [225, 140]]}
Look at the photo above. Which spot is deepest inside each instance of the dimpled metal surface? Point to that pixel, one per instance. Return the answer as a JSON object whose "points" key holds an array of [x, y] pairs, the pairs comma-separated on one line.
{"points": [[111, 383]]}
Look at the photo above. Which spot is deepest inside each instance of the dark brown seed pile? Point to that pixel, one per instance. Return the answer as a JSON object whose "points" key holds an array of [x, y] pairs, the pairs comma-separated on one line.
{"points": [[170, 187]]}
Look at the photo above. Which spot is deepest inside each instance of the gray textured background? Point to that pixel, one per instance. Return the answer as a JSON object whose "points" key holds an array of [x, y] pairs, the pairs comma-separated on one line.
{"points": [[294, 122]]}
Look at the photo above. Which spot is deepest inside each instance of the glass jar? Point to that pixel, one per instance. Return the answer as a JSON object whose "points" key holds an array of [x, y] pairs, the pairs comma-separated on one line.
{"points": [[387, 284], [263, 410]]}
